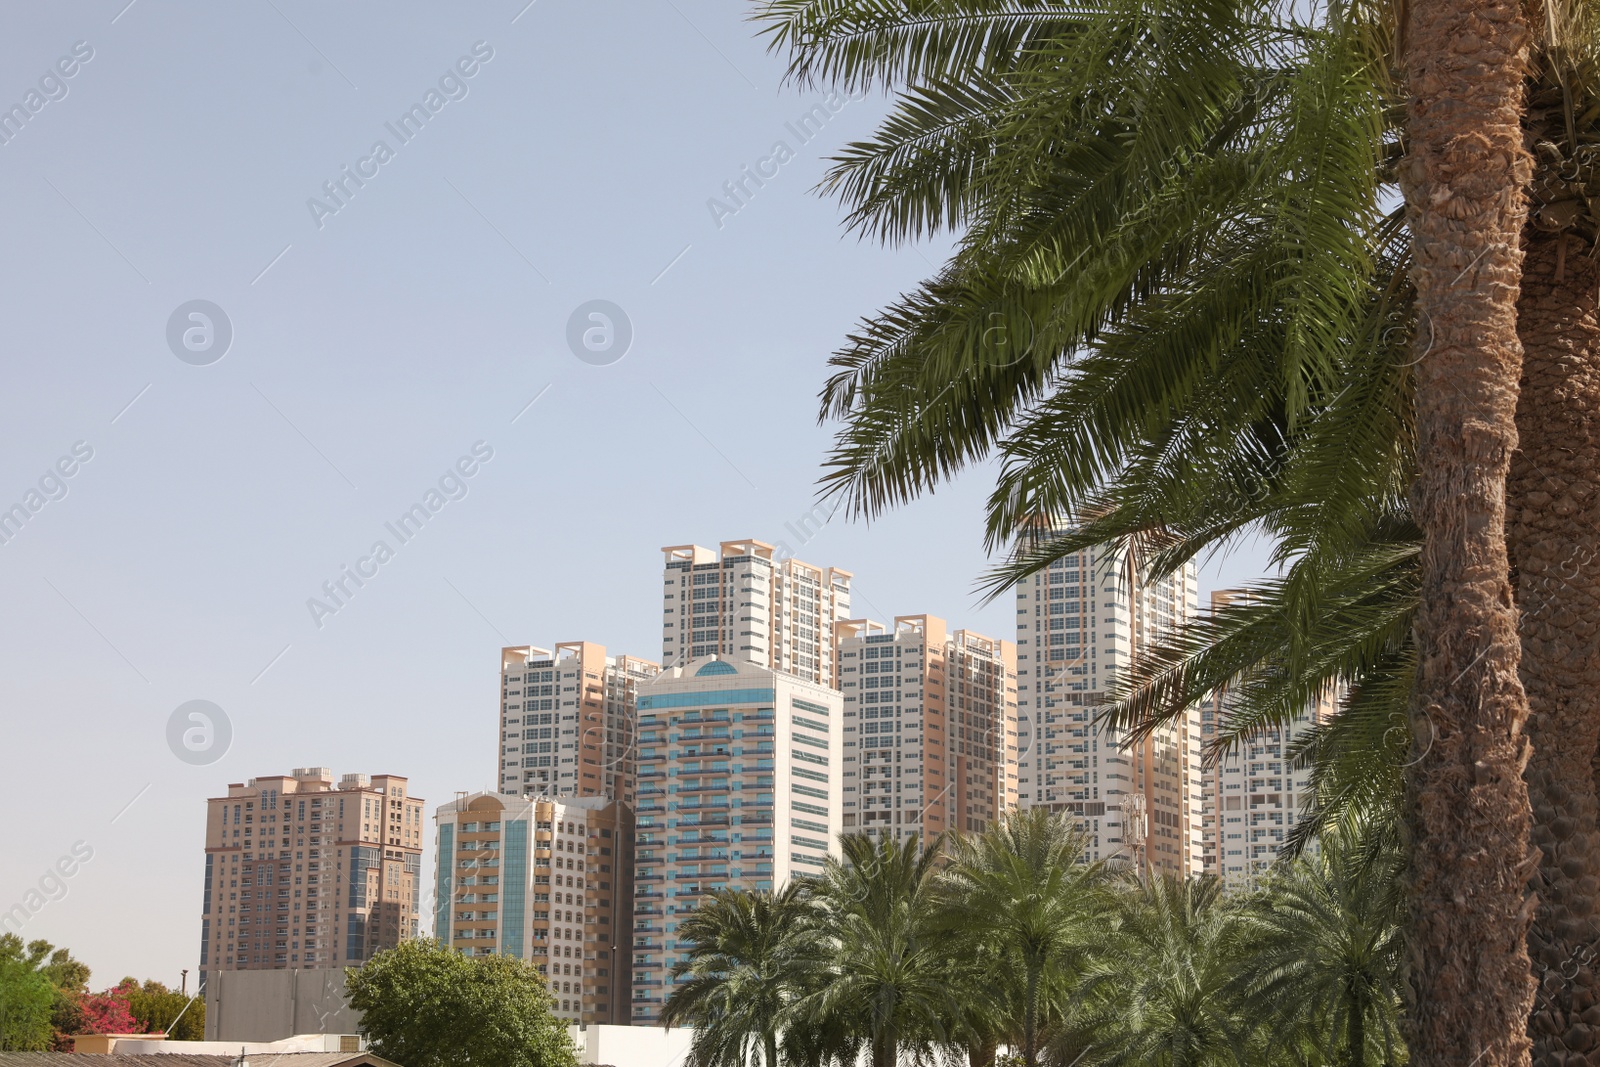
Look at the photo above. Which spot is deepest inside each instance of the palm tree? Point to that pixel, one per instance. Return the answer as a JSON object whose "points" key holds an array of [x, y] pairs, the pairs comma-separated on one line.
{"points": [[1464, 177], [1158, 994], [1047, 132], [1022, 892], [892, 980], [1323, 949], [750, 956]]}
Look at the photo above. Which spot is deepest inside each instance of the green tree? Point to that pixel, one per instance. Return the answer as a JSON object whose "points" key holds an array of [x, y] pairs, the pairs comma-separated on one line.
{"points": [[26, 1001], [892, 982], [424, 1005], [159, 1008], [1158, 993], [750, 956], [1024, 901], [68, 978], [1323, 950]]}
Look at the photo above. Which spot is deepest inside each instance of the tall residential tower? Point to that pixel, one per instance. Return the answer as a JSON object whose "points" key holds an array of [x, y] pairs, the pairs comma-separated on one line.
{"points": [[739, 787], [566, 720], [930, 727], [303, 873], [1253, 792], [1082, 623], [747, 602], [547, 880]]}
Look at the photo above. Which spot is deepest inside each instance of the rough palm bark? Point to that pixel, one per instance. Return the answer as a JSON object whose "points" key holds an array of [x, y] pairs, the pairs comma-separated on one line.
{"points": [[1553, 504], [1467, 816]]}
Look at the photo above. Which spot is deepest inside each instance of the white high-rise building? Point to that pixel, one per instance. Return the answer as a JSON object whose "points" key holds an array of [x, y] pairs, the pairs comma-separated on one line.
{"points": [[930, 727], [749, 602], [566, 720], [1080, 624], [1253, 791], [740, 783]]}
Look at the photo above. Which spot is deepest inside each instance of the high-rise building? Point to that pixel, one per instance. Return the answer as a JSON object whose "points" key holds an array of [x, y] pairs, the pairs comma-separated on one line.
{"points": [[547, 880], [740, 783], [303, 873], [1081, 623], [1253, 791], [930, 727], [566, 720], [748, 602]]}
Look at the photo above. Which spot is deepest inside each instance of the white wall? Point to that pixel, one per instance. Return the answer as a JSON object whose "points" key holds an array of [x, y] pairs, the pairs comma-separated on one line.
{"points": [[632, 1046]]}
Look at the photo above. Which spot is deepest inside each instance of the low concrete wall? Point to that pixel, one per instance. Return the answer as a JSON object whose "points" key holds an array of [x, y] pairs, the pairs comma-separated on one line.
{"points": [[273, 1005], [631, 1046]]}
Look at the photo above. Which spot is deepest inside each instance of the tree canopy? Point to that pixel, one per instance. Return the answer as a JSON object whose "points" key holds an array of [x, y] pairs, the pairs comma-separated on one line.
{"points": [[425, 1005]]}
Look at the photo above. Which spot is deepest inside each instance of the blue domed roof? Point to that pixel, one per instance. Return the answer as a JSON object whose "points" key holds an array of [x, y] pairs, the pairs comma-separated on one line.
{"points": [[716, 666]]}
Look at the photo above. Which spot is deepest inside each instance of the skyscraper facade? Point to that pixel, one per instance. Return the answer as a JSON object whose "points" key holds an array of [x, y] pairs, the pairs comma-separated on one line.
{"points": [[543, 879], [566, 720], [1254, 795], [747, 602], [1081, 624], [740, 786], [930, 727], [303, 873]]}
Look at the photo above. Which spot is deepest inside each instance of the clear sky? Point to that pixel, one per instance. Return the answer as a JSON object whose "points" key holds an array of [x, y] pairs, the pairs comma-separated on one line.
{"points": [[376, 338]]}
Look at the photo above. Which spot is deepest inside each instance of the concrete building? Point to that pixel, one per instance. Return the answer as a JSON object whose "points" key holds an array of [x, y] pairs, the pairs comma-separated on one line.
{"points": [[930, 726], [301, 872], [542, 879], [1253, 792], [566, 720], [1081, 624], [747, 602], [251, 1006], [740, 786]]}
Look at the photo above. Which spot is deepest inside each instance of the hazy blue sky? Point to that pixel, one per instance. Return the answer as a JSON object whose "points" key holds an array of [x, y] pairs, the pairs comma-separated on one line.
{"points": [[371, 348]]}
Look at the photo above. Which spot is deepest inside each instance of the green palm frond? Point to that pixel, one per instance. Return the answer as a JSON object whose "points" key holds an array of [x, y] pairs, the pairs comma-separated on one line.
{"points": [[860, 43]]}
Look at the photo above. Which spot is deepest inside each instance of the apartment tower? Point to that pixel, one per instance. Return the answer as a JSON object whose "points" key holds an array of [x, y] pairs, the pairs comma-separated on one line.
{"points": [[302, 873], [749, 602], [739, 787], [1081, 623], [1253, 791], [543, 879], [566, 720], [930, 727]]}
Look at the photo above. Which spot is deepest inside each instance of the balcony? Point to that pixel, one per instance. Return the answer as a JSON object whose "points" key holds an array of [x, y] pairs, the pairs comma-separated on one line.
{"points": [[706, 820], [704, 854]]}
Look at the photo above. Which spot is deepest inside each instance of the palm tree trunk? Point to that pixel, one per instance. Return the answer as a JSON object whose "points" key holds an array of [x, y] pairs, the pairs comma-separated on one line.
{"points": [[1355, 1031], [1466, 804], [1551, 502], [1030, 1019]]}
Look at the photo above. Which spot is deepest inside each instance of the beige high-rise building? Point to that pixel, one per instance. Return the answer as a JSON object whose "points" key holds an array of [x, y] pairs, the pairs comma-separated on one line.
{"points": [[305, 873], [543, 879], [567, 720], [749, 602], [1081, 624], [1253, 792], [930, 727]]}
